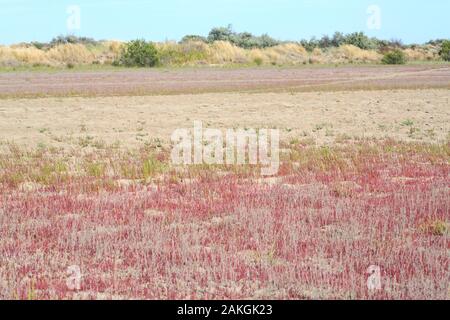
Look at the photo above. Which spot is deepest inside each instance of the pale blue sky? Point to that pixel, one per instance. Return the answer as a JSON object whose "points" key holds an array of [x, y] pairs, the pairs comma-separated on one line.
{"points": [[40, 20]]}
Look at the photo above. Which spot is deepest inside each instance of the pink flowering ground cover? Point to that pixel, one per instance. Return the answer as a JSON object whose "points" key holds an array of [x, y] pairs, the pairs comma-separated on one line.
{"points": [[139, 228]]}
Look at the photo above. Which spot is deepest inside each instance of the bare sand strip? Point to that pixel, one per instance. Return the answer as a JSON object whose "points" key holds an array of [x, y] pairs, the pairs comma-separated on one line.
{"points": [[326, 117]]}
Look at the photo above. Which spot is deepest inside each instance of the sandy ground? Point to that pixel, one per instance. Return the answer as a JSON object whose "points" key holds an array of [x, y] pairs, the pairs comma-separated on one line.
{"points": [[327, 117]]}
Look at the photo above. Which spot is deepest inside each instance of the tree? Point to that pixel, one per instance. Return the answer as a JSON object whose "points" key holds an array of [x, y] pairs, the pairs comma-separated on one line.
{"points": [[221, 34], [325, 42], [338, 39], [267, 41]]}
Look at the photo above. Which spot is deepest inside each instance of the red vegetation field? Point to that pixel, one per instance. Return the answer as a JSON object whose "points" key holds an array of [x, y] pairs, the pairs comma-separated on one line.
{"points": [[130, 82], [138, 228]]}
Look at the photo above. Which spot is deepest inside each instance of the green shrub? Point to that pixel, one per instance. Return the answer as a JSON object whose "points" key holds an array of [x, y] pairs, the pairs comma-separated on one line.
{"points": [[221, 34], [171, 56], [72, 40], [185, 53], [139, 53], [258, 61], [360, 40], [445, 50], [39, 45], [357, 39], [249, 41], [244, 40], [394, 57], [310, 45], [193, 38]]}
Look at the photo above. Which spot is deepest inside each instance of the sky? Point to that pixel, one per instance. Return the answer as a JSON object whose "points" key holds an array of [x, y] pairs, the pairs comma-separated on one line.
{"points": [[413, 21]]}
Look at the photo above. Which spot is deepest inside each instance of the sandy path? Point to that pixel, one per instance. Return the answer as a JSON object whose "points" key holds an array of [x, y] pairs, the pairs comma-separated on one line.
{"points": [[417, 115]]}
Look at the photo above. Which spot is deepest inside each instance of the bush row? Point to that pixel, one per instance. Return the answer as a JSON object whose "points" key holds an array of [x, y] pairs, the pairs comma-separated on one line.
{"points": [[247, 40], [222, 46], [139, 53]]}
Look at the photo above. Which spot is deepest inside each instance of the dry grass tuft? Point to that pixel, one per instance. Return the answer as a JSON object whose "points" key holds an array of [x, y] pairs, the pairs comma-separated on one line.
{"points": [[222, 52], [71, 53], [284, 54], [352, 54], [435, 228], [421, 54], [12, 57]]}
